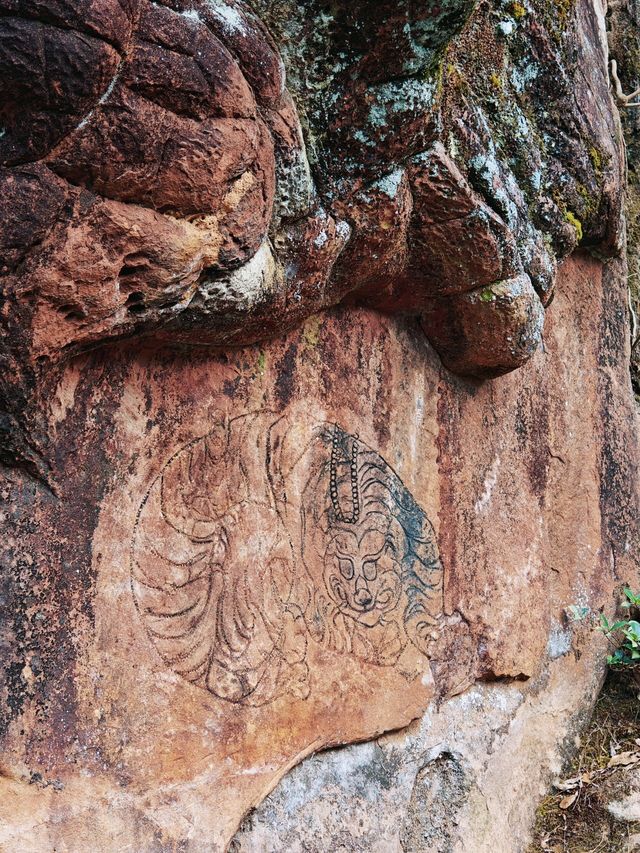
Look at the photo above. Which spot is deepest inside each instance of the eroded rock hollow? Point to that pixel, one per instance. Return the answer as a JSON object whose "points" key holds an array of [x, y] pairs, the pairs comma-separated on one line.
{"points": [[315, 418]]}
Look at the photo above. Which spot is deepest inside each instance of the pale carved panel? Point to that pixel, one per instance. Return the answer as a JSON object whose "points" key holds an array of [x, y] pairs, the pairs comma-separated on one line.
{"points": [[263, 538]]}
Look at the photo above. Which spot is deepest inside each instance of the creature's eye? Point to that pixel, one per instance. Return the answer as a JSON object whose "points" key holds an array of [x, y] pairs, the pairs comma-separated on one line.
{"points": [[370, 570], [346, 569]]}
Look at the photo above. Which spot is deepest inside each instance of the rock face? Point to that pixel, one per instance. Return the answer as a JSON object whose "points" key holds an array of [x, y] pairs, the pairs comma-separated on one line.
{"points": [[266, 487], [156, 181], [232, 579], [624, 42], [523, 537]]}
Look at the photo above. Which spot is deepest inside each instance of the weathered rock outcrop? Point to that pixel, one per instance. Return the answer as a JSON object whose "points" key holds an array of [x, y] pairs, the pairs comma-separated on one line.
{"points": [[623, 23], [266, 487], [156, 183]]}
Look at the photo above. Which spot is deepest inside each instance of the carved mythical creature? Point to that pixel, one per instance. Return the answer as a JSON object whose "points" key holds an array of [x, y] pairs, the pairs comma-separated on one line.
{"points": [[381, 579], [232, 573]]}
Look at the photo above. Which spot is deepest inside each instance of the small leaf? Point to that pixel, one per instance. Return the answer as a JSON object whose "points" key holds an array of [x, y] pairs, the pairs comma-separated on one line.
{"points": [[631, 596], [624, 759], [569, 800], [567, 784]]}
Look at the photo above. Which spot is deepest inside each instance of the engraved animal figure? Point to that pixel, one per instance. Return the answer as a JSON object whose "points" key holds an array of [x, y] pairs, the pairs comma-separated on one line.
{"points": [[363, 581], [264, 533], [381, 582], [213, 570]]}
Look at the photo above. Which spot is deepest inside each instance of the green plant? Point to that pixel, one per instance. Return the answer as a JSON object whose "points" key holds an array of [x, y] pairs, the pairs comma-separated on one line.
{"points": [[633, 598], [624, 634]]}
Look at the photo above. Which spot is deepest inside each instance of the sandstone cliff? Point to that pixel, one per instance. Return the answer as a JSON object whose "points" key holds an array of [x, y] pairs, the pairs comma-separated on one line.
{"points": [[315, 417]]}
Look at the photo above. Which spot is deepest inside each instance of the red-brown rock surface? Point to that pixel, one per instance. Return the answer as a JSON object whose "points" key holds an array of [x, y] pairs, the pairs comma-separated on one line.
{"points": [[265, 486], [155, 180], [196, 612]]}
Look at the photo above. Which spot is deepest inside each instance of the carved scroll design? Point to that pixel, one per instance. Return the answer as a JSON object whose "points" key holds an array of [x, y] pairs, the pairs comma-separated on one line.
{"points": [[261, 537]]}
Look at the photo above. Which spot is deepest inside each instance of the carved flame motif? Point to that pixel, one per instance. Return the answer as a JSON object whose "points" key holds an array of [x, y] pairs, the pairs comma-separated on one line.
{"points": [[239, 558]]}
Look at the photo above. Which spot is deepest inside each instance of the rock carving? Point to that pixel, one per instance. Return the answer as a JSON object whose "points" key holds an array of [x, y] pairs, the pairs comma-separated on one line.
{"points": [[233, 576]]}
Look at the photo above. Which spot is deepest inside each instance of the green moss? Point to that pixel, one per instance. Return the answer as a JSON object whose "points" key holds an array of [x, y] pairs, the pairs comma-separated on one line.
{"points": [[591, 202], [439, 78], [487, 295], [452, 79], [564, 8], [573, 220], [596, 159], [556, 15], [633, 217], [261, 362], [518, 11]]}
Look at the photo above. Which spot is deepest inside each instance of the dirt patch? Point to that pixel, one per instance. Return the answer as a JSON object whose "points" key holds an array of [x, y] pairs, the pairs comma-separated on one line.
{"points": [[574, 818]]}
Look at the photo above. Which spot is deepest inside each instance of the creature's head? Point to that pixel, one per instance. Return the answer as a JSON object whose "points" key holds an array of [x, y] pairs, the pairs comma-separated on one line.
{"points": [[368, 547], [362, 570]]}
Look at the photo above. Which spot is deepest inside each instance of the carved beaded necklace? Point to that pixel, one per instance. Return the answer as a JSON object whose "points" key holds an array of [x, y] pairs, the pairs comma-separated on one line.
{"points": [[333, 481]]}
